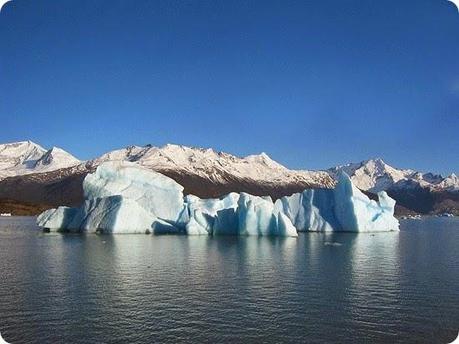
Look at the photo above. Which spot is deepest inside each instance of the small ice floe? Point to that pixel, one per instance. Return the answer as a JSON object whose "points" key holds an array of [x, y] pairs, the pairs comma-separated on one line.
{"points": [[331, 243]]}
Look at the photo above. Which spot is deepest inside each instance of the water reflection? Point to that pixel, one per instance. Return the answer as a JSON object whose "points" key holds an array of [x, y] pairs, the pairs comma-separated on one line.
{"points": [[336, 287]]}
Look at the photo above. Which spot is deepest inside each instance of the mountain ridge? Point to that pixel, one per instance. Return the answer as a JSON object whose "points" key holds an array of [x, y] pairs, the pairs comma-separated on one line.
{"points": [[371, 175], [30, 173], [375, 175]]}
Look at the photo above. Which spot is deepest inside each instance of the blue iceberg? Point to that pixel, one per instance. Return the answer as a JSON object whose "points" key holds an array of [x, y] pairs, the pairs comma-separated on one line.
{"points": [[344, 208], [123, 197]]}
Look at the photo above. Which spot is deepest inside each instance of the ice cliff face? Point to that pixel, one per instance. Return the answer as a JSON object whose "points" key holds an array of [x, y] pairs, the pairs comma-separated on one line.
{"points": [[155, 193], [237, 214], [122, 197], [113, 214], [344, 208]]}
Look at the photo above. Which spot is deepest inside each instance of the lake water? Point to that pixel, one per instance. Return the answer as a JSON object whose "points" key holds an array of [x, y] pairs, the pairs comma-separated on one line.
{"points": [[337, 288]]}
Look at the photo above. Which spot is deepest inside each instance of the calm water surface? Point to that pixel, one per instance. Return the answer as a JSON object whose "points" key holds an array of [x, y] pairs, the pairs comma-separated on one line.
{"points": [[337, 288]]}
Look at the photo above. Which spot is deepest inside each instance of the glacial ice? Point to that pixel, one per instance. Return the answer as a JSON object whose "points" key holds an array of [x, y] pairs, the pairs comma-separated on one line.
{"points": [[344, 208], [57, 219], [258, 216], [156, 193], [237, 214], [123, 197], [113, 214], [215, 216]]}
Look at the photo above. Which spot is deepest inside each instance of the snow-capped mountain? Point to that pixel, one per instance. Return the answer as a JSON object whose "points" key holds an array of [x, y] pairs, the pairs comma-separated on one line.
{"points": [[375, 175], [55, 177], [29, 173], [19, 155], [450, 183], [217, 167], [27, 157]]}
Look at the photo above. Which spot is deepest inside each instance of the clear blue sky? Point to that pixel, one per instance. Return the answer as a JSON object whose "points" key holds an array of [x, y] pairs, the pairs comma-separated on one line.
{"points": [[312, 83]]}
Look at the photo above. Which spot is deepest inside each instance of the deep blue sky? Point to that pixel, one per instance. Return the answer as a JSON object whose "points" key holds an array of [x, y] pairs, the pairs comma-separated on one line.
{"points": [[312, 83]]}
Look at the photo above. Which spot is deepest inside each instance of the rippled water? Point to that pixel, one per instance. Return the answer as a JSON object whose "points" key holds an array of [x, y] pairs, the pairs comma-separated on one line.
{"points": [[340, 288]]}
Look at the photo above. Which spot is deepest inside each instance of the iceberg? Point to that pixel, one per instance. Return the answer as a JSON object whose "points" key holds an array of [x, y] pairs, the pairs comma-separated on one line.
{"points": [[344, 208], [154, 192], [258, 216], [114, 214], [123, 197], [57, 219], [237, 214], [216, 216]]}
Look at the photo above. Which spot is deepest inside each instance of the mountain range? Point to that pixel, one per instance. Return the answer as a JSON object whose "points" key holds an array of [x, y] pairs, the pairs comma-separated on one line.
{"points": [[33, 178]]}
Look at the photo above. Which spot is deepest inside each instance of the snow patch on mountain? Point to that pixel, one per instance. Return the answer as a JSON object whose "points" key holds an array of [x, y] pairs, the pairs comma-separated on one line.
{"points": [[56, 158]]}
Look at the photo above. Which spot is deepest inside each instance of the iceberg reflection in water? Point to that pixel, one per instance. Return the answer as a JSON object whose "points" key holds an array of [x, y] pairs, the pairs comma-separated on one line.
{"points": [[397, 287]]}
